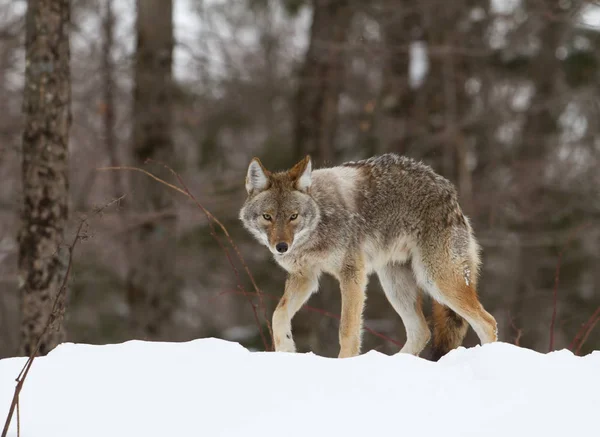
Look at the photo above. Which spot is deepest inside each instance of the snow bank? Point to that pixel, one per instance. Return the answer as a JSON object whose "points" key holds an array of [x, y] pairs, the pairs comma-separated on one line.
{"points": [[216, 388]]}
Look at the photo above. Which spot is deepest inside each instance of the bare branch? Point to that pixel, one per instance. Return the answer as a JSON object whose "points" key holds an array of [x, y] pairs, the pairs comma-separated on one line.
{"points": [[211, 220], [556, 280], [52, 317]]}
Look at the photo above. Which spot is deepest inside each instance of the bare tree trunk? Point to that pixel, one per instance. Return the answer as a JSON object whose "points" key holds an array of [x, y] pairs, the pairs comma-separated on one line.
{"points": [[540, 126], [426, 116], [456, 150], [46, 105], [321, 80], [399, 97], [465, 176], [108, 80], [152, 285]]}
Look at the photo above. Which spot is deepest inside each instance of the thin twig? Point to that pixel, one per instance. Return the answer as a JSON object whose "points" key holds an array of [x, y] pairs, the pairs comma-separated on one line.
{"points": [[556, 281], [212, 219], [519, 331], [595, 320], [147, 173], [239, 255], [585, 329], [51, 317]]}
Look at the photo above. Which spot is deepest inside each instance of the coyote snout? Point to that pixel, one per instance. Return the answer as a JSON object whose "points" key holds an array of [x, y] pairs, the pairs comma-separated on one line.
{"points": [[281, 247], [280, 212]]}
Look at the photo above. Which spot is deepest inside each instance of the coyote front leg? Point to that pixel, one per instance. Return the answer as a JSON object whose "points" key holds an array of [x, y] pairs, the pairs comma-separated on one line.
{"points": [[353, 282], [298, 288]]}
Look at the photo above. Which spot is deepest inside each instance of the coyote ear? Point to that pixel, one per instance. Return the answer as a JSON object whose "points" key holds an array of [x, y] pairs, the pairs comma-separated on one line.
{"points": [[257, 178], [302, 174]]}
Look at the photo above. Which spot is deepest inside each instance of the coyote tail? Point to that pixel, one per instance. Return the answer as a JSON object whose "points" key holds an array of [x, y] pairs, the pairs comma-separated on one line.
{"points": [[449, 330]]}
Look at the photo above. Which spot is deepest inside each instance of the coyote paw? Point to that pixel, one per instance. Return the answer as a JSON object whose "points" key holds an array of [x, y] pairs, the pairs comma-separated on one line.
{"points": [[285, 344], [347, 354]]}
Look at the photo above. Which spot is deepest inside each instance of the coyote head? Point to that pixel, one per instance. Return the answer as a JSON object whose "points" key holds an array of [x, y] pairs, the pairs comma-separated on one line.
{"points": [[279, 210]]}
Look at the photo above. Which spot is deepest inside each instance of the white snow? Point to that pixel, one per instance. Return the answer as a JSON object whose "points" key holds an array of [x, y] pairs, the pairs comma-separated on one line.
{"points": [[216, 388]]}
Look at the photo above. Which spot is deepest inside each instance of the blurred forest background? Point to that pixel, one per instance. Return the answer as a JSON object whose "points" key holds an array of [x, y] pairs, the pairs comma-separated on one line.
{"points": [[500, 96]]}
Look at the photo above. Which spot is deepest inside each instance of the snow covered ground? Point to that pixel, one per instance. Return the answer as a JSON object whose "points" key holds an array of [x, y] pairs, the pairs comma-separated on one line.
{"points": [[216, 388]]}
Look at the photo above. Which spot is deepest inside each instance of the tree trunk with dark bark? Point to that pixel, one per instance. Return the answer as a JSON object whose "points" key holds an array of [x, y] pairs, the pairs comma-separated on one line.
{"points": [[46, 105], [108, 85], [152, 285], [427, 118], [402, 116], [321, 80]]}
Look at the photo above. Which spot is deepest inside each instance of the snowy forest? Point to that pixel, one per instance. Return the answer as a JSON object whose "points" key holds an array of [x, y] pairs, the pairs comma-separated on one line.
{"points": [[501, 97]]}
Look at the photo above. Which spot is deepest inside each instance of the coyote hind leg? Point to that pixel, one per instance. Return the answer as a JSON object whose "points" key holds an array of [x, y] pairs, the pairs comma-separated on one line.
{"points": [[353, 282], [453, 284], [402, 291]]}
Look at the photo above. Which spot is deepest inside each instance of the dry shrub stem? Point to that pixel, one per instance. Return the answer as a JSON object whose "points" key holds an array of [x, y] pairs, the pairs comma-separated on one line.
{"points": [[556, 281], [518, 331], [584, 332], [18, 419], [212, 220], [587, 334], [54, 314]]}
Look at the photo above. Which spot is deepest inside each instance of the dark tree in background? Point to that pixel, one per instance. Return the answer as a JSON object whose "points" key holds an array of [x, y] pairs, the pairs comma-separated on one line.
{"points": [[109, 89], [152, 287], [320, 81], [46, 105]]}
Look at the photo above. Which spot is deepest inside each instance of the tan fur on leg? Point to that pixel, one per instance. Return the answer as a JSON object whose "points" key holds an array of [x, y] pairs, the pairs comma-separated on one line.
{"points": [[462, 299], [298, 289], [352, 284]]}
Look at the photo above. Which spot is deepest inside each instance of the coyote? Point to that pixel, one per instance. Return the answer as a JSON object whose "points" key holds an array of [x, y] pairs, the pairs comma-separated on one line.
{"points": [[388, 214]]}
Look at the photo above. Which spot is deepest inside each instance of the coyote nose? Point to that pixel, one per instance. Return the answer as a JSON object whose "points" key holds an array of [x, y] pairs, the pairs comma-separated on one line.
{"points": [[281, 247]]}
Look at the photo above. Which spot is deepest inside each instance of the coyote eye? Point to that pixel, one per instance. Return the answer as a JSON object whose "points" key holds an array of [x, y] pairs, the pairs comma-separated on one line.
{"points": [[267, 217], [294, 216]]}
